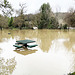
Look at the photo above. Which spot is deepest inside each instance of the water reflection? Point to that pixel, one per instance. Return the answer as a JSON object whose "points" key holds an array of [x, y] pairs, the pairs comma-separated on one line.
{"points": [[70, 44], [7, 66], [4, 35], [55, 53], [25, 52], [46, 37], [0, 50]]}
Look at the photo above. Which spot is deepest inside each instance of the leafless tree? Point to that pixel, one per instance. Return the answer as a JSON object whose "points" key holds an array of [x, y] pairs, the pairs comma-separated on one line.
{"points": [[22, 9], [6, 8]]}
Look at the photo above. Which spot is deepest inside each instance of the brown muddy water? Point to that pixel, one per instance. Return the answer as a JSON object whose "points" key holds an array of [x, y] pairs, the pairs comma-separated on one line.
{"points": [[54, 55]]}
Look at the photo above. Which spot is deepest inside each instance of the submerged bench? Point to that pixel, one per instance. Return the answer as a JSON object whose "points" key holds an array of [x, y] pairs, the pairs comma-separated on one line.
{"points": [[30, 46], [17, 46], [18, 43]]}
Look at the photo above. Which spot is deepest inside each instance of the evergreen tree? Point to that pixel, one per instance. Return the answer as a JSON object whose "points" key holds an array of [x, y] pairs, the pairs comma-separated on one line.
{"points": [[45, 15], [10, 22], [47, 19]]}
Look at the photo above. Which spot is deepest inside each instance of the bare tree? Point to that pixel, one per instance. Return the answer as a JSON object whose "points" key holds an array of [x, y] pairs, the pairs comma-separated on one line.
{"points": [[22, 9], [6, 8], [70, 18], [71, 10], [20, 19]]}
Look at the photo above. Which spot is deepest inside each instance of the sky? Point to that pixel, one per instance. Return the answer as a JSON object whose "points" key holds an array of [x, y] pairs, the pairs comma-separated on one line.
{"points": [[33, 6]]}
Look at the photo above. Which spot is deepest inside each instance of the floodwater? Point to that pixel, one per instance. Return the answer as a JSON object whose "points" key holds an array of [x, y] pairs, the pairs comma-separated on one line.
{"points": [[54, 55]]}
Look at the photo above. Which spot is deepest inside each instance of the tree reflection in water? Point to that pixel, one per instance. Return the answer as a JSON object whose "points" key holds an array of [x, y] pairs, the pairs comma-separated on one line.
{"points": [[0, 50], [7, 66]]}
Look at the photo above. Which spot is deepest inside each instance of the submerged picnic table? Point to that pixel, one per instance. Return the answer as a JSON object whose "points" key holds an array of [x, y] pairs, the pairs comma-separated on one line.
{"points": [[24, 43]]}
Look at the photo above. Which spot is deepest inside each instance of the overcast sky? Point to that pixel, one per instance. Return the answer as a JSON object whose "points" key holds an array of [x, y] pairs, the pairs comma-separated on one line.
{"points": [[34, 5]]}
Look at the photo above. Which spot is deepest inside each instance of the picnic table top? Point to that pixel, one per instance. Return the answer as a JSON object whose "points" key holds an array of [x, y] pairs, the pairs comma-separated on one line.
{"points": [[25, 41]]}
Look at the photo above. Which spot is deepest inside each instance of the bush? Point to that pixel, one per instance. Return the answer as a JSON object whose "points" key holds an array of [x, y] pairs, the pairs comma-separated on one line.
{"points": [[65, 26]]}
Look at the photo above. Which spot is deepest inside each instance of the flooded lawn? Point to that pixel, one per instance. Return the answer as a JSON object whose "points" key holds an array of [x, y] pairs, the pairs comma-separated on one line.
{"points": [[54, 55]]}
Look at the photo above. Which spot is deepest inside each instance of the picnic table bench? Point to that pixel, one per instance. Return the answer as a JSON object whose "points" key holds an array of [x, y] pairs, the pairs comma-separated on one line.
{"points": [[17, 46]]}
